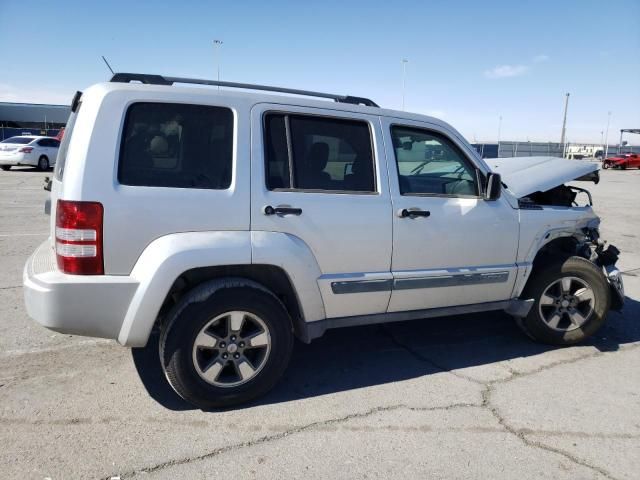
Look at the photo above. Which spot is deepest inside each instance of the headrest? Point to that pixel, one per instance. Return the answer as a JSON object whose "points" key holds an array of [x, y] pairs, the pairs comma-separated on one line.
{"points": [[158, 146], [318, 155]]}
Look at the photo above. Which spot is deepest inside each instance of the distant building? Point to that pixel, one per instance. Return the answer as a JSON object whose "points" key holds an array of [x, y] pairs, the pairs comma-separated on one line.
{"points": [[31, 118]]}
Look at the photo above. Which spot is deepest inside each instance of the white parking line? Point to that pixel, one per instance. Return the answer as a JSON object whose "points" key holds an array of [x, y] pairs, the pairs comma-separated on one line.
{"points": [[23, 234], [65, 346]]}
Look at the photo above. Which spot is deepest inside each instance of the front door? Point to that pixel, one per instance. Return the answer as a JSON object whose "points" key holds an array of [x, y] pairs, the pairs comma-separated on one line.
{"points": [[450, 246], [319, 176]]}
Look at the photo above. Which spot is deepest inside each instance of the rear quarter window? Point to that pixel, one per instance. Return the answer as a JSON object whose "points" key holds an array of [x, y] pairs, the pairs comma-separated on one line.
{"points": [[61, 159], [177, 146]]}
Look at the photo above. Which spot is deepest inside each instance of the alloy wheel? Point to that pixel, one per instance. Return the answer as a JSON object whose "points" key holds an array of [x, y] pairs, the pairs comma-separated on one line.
{"points": [[231, 349], [566, 304]]}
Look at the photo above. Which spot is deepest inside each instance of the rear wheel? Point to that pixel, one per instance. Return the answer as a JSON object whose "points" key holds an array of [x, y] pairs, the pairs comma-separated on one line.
{"points": [[43, 163], [6, 167], [572, 300], [228, 349]]}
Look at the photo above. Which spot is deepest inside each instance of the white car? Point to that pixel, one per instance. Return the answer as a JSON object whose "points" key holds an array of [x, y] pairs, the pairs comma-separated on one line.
{"points": [[231, 222], [30, 150]]}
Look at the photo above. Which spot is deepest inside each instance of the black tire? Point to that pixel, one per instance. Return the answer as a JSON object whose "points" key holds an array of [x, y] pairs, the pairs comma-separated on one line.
{"points": [[534, 324], [605, 165], [194, 311], [43, 163], [6, 168]]}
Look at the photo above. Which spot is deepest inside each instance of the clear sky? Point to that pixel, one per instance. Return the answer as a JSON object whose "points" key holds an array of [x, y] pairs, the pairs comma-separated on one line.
{"points": [[469, 62]]}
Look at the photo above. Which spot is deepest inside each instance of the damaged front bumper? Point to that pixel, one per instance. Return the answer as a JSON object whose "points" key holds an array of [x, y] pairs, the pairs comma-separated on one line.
{"points": [[606, 258], [614, 277]]}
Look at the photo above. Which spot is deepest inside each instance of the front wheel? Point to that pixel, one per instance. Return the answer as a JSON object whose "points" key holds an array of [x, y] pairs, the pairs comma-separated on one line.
{"points": [[605, 166], [227, 349], [572, 299]]}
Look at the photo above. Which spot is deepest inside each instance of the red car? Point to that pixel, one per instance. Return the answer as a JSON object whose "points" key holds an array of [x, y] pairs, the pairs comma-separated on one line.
{"points": [[623, 160]]}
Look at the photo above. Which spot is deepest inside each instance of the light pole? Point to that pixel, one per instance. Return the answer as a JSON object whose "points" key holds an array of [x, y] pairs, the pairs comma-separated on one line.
{"points": [[218, 44], [499, 128], [404, 74], [564, 122], [606, 136]]}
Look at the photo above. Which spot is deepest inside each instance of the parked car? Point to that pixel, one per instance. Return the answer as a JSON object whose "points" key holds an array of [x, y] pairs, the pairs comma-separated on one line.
{"points": [[231, 222], [622, 161], [60, 134], [36, 151]]}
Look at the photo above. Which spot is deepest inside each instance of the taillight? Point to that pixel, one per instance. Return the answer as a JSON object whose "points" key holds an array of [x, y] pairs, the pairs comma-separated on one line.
{"points": [[26, 149], [79, 237]]}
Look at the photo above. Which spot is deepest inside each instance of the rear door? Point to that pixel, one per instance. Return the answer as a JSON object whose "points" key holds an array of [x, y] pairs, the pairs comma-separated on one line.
{"points": [[44, 148], [319, 175], [55, 146]]}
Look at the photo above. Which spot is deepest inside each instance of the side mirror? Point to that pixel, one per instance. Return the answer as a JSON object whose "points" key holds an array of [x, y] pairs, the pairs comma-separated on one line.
{"points": [[493, 187]]}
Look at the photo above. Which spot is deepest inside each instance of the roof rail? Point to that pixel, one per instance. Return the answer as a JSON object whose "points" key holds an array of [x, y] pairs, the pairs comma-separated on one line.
{"points": [[162, 80]]}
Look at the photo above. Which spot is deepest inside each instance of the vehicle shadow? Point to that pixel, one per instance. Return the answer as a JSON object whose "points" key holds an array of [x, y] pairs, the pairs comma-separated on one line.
{"points": [[352, 358], [27, 169]]}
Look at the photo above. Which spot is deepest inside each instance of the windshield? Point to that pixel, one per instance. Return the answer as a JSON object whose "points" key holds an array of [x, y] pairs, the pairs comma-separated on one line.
{"points": [[18, 140]]}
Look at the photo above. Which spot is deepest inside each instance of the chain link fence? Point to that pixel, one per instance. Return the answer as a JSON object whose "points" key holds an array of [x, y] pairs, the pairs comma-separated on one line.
{"points": [[548, 149]]}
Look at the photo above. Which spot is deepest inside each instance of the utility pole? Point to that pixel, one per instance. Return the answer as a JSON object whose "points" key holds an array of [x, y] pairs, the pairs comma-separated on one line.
{"points": [[606, 137], [404, 75], [218, 44], [564, 121]]}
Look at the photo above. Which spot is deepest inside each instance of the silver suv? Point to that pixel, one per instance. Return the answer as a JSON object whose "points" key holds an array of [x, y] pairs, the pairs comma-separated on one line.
{"points": [[234, 222]]}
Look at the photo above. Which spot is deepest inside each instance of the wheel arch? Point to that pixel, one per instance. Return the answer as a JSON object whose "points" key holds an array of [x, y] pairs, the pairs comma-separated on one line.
{"points": [[271, 278], [170, 264], [557, 249]]}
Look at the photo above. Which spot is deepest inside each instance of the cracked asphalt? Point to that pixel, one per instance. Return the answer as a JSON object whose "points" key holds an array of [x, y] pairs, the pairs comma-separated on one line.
{"points": [[459, 397]]}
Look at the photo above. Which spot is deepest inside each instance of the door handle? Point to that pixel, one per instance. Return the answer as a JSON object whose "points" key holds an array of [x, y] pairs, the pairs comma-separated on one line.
{"points": [[411, 213], [269, 210]]}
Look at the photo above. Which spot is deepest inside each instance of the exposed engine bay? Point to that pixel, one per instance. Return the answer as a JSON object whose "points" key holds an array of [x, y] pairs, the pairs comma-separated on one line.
{"points": [[560, 196]]}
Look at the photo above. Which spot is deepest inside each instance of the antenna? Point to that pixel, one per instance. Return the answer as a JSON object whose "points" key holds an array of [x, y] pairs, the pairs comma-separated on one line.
{"points": [[108, 66]]}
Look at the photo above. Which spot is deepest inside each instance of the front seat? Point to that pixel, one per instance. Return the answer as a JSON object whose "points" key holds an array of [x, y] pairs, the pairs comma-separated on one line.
{"points": [[312, 174]]}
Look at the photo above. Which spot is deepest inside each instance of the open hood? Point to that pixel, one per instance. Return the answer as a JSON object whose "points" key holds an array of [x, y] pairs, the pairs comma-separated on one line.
{"points": [[526, 175]]}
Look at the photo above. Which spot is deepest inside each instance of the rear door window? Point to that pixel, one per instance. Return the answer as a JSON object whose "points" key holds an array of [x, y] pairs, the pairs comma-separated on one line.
{"points": [[177, 145], [313, 153]]}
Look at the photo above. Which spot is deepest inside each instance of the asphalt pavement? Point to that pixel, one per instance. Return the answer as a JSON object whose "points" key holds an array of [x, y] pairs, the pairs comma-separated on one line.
{"points": [[456, 397]]}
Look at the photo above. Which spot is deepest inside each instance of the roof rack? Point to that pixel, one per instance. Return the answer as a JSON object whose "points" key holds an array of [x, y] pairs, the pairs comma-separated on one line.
{"points": [[162, 80]]}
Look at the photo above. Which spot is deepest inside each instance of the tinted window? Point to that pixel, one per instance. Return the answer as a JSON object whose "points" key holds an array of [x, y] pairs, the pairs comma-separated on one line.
{"points": [[54, 143], [44, 142], [277, 156], [430, 163], [18, 140], [323, 153], [176, 145]]}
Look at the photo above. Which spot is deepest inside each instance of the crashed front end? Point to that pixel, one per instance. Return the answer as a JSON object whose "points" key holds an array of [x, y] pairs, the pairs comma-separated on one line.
{"points": [[559, 217]]}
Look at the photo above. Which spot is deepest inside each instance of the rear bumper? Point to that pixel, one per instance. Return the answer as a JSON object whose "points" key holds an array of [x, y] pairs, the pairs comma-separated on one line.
{"points": [[86, 305], [17, 159]]}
